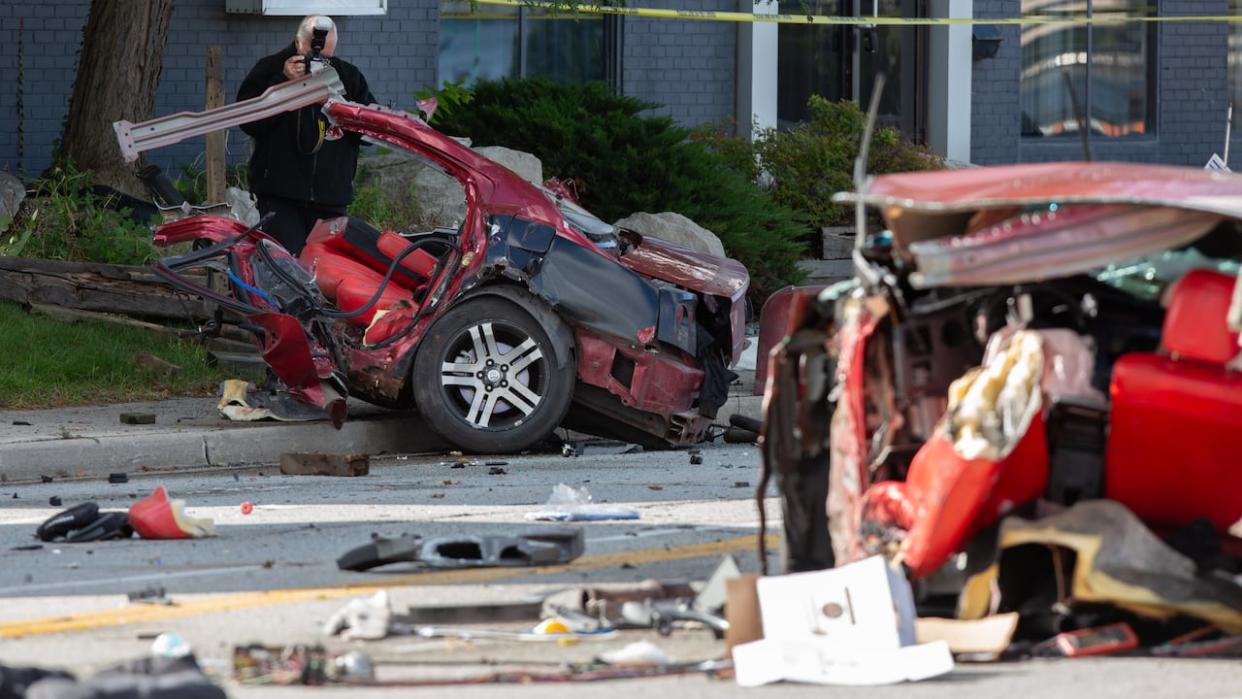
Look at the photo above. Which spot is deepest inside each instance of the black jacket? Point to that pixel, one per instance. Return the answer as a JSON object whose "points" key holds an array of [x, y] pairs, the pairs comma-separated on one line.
{"points": [[288, 159]]}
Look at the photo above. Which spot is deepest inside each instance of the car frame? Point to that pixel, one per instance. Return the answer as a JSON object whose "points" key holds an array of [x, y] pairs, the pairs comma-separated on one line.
{"points": [[867, 380], [635, 332]]}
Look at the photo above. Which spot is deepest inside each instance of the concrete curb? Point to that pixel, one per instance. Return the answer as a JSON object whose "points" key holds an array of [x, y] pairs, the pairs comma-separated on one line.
{"points": [[96, 457], [179, 448]]}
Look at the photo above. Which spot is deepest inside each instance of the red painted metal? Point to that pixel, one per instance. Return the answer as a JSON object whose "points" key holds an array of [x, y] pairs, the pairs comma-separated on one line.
{"points": [[661, 383], [775, 325]]}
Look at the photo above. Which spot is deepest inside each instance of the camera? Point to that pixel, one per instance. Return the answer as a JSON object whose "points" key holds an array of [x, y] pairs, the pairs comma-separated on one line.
{"points": [[315, 60]]}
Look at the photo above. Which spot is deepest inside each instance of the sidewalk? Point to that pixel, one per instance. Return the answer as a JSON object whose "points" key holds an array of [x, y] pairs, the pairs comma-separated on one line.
{"points": [[91, 442]]}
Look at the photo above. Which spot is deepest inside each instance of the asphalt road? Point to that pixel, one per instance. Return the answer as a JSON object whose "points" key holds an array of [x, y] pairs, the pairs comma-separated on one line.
{"points": [[269, 577]]}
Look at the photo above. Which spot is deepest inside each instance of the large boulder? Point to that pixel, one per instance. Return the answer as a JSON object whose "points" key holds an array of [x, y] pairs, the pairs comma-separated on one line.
{"points": [[440, 198], [12, 192], [674, 228], [526, 165]]}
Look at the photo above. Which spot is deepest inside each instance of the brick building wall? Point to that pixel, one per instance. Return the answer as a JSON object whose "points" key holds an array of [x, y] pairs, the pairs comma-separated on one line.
{"points": [[688, 67], [1192, 94], [396, 52]]}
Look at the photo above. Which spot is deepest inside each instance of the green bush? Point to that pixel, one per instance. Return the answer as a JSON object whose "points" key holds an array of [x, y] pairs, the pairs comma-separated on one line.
{"points": [[812, 161], [623, 162], [375, 206], [67, 221]]}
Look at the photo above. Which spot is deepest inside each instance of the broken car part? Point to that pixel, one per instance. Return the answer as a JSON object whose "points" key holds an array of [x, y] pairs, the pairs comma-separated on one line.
{"points": [[1104, 640], [536, 547], [568, 504], [394, 317], [158, 517], [85, 523]]}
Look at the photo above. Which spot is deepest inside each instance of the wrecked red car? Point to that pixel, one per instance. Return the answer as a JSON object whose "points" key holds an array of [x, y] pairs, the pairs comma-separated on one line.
{"points": [[491, 330], [1017, 340]]}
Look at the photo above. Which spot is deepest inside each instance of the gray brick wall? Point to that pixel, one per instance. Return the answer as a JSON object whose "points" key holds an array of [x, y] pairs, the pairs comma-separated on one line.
{"points": [[688, 67], [995, 116], [1191, 96], [396, 52]]}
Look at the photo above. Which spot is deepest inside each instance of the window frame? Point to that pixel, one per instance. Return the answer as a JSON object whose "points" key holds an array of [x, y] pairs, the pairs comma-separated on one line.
{"points": [[1152, 68], [301, 8]]}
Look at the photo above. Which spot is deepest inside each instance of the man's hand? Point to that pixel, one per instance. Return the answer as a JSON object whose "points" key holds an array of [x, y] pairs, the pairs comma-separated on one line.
{"points": [[295, 67]]}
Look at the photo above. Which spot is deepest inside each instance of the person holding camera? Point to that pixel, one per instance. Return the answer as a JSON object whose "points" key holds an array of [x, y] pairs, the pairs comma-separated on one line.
{"points": [[294, 171]]}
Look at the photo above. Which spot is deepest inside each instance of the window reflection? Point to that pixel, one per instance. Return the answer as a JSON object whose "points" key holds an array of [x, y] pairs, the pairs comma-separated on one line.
{"points": [[487, 44], [1110, 70], [810, 59], [481, 45]]}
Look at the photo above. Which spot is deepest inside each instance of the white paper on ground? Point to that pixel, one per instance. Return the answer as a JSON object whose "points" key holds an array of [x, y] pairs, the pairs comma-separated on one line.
{"points": [[862, 605], [817, 661]]}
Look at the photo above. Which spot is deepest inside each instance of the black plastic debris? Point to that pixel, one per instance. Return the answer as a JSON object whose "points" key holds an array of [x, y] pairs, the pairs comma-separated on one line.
{"points": [[495, 463], [147, 678], [696, 459], [46, 479], [496, 471], [54, 501], [21, 423], [84, 522], [118, 477], [535, 547]]}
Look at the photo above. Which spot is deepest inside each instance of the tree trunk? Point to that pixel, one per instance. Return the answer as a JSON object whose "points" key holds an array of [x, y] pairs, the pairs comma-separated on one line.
{"points": [[118, 72]]}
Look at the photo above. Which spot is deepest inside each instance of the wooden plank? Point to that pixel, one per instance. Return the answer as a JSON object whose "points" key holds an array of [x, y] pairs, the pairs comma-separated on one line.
{"points": [[347, 465], [86, 286], [215, 141]]}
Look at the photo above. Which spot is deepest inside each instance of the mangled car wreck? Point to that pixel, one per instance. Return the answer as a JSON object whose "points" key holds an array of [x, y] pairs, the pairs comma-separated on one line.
{"points": [[493, 329], [1032, 354]]}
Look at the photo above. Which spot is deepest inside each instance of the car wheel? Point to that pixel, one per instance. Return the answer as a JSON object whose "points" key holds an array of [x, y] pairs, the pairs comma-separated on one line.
{"points": [[486, 378]]}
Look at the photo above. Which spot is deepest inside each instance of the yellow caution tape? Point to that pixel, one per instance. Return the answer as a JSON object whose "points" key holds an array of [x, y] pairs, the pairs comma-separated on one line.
{"points": [[711, 16]]}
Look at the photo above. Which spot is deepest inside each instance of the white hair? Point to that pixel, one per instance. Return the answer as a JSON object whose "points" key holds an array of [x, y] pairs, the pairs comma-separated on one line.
{"points": [[307, 27]]}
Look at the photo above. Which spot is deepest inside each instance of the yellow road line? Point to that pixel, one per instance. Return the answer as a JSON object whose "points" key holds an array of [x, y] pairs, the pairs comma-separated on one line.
{"points": [[712, 16], [215, 604]]}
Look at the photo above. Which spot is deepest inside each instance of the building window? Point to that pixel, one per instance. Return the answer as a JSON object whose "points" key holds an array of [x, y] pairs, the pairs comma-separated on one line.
{"points": [[1103, 73], [491, 43]]}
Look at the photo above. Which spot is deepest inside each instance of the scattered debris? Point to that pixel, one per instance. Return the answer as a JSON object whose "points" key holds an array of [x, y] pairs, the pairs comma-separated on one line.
{"points": [[474, 613], [282, 666], [852, 625], [365, 619], [15, 497], [118, 477], [150, 678], [737, 435], [538, 547], [1103, 640], [344, 465], [46, 479], [637, 654], [495, 463], [151, 594], [633, 449], [137, 418], [437, 496], [247, 507], [170, 645], [741, 484], [556, 632], [696, 459], [568, 450], [27, 547], [242, 401], [496, 471], [655, 487], [567, 504], [158, 517], [150, 362], [83, 523], [54, 501], [21, 423], [664, 615], [984, 638]]}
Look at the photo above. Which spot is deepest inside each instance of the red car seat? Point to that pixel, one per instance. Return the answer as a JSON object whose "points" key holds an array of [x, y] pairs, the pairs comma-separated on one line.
{"points": [[1175, 439], [363, 243]]}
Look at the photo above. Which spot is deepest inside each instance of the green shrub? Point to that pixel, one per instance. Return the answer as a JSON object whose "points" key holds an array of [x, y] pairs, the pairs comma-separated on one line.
{"points": [[375, 206], [812, 161], [67, 221], [623, 162]]}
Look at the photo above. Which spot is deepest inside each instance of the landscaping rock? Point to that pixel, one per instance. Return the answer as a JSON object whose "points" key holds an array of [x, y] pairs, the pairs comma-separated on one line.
{"points": [[12, 192], [440, 198], [674, 228], [526, 165]]}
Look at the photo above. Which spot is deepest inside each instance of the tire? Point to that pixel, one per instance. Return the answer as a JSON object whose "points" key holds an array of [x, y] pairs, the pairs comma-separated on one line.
{"points": [[485, 378]]}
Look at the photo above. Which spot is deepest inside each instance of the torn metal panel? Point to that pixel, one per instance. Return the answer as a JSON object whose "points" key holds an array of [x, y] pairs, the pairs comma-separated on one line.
{"points": [[1060, 242], [926, 205], [135, 139]]}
